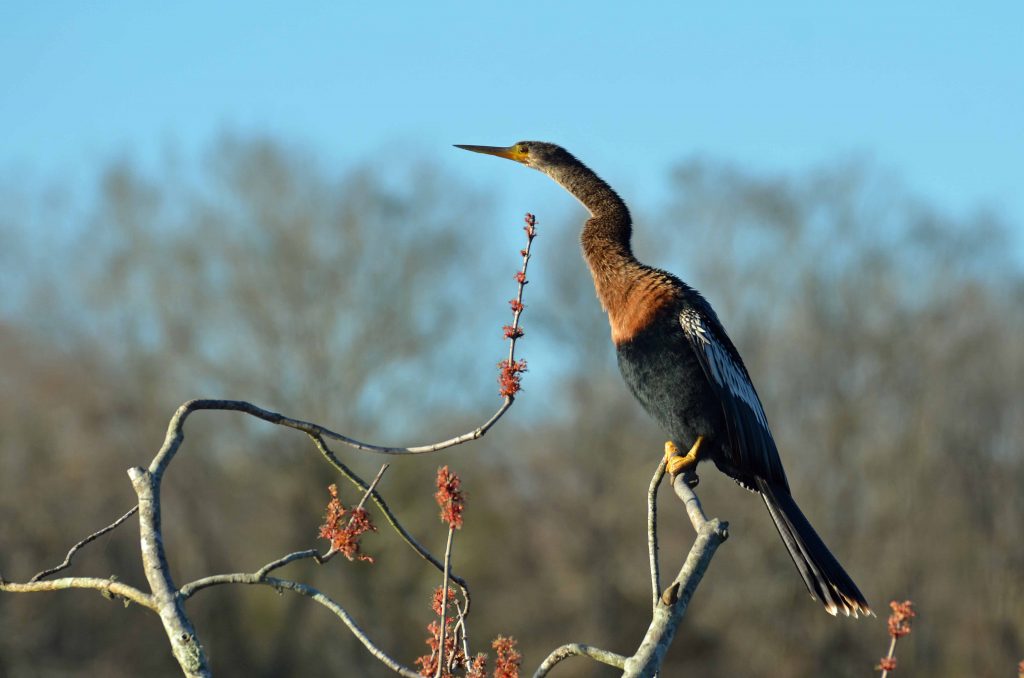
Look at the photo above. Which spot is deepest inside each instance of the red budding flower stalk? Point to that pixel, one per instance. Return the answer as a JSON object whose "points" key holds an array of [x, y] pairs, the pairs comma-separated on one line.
{"points": [[510, 369], [344, 534], [506, 665], [450, 498], [449, 650], [899, 626], [445, 653]]}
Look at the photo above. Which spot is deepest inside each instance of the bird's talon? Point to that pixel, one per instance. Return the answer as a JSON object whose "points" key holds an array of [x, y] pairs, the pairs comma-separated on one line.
{"points": [[676, 463]]}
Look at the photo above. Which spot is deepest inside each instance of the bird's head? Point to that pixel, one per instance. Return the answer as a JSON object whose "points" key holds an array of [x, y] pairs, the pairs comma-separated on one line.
{"points": [[540, 155]]}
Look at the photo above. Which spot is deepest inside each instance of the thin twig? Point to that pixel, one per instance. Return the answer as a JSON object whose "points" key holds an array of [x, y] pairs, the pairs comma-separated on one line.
{"points": [[91, 537], [531, 233], [192, 587], [392, 519], [579, 650], [371, 488], [463, 631], [175, 435], [652, 531], [326, 601], [892, 651], [444, 598]]}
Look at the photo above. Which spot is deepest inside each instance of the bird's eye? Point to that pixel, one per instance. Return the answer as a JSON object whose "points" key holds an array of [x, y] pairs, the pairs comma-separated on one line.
{"points": [[523, 149]]}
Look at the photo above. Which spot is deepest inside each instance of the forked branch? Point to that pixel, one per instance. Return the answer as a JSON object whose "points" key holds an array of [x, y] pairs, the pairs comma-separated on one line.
{"points": [[669, 605], [167, 600]]}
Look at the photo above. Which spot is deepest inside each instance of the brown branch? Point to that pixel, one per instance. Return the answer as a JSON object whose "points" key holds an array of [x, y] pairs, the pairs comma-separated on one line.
{"points": [[389, 515], [95, 535]]}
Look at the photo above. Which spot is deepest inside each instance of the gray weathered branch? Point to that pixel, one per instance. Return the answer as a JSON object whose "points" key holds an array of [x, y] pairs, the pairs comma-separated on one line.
{"points": [[182, 635], [652, 531], [669, 605], [579, 650], [168, 601]]}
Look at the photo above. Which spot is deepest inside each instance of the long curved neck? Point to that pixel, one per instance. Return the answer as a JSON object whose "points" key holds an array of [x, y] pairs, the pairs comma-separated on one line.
{"points": [[629, 291], [606, 234]]}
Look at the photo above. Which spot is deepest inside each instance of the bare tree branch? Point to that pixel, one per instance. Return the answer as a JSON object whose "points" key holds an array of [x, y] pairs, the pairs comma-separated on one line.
{"points": [[168, 601], [683, 486], [108, 587], [91, 537], [381, 504], [318, 596], [444, 599], [652, 531], [184, 643], [671, 607], [577, 650], [175, 434], [187, 590]]}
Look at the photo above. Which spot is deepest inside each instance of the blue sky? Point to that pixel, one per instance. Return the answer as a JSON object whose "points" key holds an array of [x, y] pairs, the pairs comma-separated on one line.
{"points": [[933, 91]]}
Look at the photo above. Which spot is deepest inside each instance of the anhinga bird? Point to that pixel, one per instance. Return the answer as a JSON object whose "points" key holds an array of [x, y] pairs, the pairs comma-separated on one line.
{"points": [[681, 365]]}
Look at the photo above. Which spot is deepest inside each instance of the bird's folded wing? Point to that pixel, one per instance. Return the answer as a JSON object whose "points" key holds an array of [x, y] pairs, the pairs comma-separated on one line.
{"points": [[753, 451]]}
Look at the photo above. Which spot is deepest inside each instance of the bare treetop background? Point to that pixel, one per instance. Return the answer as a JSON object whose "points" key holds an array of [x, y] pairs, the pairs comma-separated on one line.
{"points": [[884, 337]]}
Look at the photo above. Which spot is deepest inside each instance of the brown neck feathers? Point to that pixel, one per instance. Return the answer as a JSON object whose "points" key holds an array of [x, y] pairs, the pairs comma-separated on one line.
{"points": [[630, 292]]}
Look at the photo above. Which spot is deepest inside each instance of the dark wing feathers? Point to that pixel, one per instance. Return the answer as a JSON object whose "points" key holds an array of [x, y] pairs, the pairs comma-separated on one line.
{"points": [[753, 451], [754, 461]]}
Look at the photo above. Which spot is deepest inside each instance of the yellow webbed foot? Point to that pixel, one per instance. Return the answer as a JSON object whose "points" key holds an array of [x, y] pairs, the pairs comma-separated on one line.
{"points": [[676, 462]]}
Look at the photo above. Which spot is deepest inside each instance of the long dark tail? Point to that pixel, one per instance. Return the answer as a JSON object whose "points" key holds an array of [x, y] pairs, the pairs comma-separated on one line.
{"points": [[825, 578]]}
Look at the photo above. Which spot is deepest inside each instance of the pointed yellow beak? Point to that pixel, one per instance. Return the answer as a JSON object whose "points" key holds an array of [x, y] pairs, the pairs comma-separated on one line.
{"points": [[511, 152]]}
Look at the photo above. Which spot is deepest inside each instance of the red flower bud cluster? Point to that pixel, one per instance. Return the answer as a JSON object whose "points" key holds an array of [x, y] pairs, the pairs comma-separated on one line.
{"points": [[436, 604], [450, 498], [899, 620], [508, 377], [531, 222], [455, 656], [344, 533], [478, 669], [510, 369], [512, 332], [506, 664], [899, 626]]}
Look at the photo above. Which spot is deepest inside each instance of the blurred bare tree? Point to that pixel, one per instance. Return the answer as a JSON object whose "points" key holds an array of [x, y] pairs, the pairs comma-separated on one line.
{"points": [[884, 338]]}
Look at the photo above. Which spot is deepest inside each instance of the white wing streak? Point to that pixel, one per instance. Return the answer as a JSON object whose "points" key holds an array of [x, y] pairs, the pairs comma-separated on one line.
{"points": [[724, 370]]}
